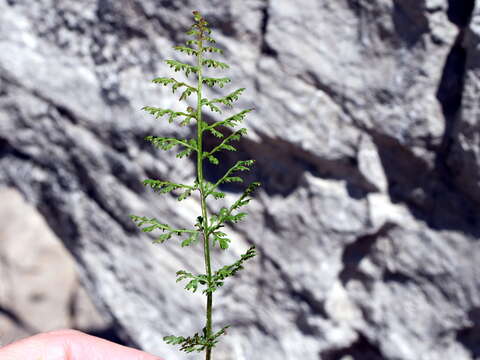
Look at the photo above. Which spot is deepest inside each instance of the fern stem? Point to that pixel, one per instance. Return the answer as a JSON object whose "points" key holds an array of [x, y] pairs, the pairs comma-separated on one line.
{"points": [[206, 244]]}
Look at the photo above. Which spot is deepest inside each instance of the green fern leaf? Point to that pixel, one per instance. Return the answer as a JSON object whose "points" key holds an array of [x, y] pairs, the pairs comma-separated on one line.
{"points": [[212, 49], [186, 50], [214, 64], [220, 82], [179, 66]]}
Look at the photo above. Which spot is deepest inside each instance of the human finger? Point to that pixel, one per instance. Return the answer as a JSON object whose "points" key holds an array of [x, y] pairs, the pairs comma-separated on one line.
{"points": [[70, 345]]}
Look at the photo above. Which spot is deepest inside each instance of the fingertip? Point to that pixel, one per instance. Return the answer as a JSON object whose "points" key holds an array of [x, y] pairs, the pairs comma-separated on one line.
{"points": [[67, 344]]}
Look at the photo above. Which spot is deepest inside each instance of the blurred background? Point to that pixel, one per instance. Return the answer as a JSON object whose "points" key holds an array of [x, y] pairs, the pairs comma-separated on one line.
{"points": [[366, 135]]}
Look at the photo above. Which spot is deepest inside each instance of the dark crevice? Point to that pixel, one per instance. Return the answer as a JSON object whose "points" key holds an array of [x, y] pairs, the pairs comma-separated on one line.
{"points": [[405, 171], [304, 295], [6, 149], [315, 307], [469, 336], [160, 19], [224, 22], [410, 21], [460, 12], [428, 191], [395, 277], [171, 30], [73, 306], [451, 87], [115, 332], [355, 252], [270, 222], [110, 333], [12, 316], [450, 90], [449, 95], [280, 167], [265, 47], [65, 113], [447, 206], [273, 166], [59, 221], [305, 325], [361, 349], [113, 16]]}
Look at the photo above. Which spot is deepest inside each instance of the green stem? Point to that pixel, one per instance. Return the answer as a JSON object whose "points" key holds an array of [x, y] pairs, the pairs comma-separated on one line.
{"points": [[206, 242]]}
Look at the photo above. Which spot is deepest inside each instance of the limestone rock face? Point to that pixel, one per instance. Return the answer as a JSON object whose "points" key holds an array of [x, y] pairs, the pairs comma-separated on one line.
{"points": [[40, 290], [464, 156], [366, 138]]}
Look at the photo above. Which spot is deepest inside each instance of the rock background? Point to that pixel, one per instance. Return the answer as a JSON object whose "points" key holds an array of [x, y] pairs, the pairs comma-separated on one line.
{"points": [[40, 290], [367, 141]]}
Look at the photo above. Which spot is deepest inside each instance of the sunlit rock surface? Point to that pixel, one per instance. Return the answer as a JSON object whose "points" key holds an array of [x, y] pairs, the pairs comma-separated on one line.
{"points": [[366, 138]]}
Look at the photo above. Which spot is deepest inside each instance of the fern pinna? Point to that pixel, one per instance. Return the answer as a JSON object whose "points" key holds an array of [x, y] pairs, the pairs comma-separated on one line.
{"points": [[207, 228]]}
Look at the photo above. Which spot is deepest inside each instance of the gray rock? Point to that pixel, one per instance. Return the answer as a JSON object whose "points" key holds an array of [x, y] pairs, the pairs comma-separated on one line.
{"points": [[368, 244], [464, 156], [40, 290]]}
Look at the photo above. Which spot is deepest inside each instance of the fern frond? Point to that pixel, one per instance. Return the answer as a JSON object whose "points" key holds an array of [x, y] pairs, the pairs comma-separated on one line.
{"points": [[197, 342], [228, 99], [168, 186], [211, 105], [216, 133], [179, 66], [231, 121], [193, 32], [209, 39], [230, 270], [242, 165], [215, 64], [154, 224], [226, 214], [187, 50], [244, 198], [206, 227], [211, 190], [165, 186], [172, 115], [166, 143], [194, 280], [221, 238], [212, 49], [176, 85], [220, 82], [224, 145], [192, 42]]}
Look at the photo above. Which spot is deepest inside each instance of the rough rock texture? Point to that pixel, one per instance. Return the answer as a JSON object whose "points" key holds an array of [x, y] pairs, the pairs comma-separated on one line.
{"points": [[367, 140], [39, 290]]}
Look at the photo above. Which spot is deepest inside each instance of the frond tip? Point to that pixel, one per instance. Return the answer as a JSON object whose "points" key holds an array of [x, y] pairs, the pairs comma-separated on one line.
{"points": [[208, 225]]}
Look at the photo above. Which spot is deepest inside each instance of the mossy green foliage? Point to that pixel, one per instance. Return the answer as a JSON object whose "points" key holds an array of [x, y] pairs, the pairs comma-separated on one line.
{"points": [[207, 228]]}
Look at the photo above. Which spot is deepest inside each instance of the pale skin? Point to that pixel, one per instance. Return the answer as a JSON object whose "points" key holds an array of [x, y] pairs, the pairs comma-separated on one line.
{"points": [[70, 345]]}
